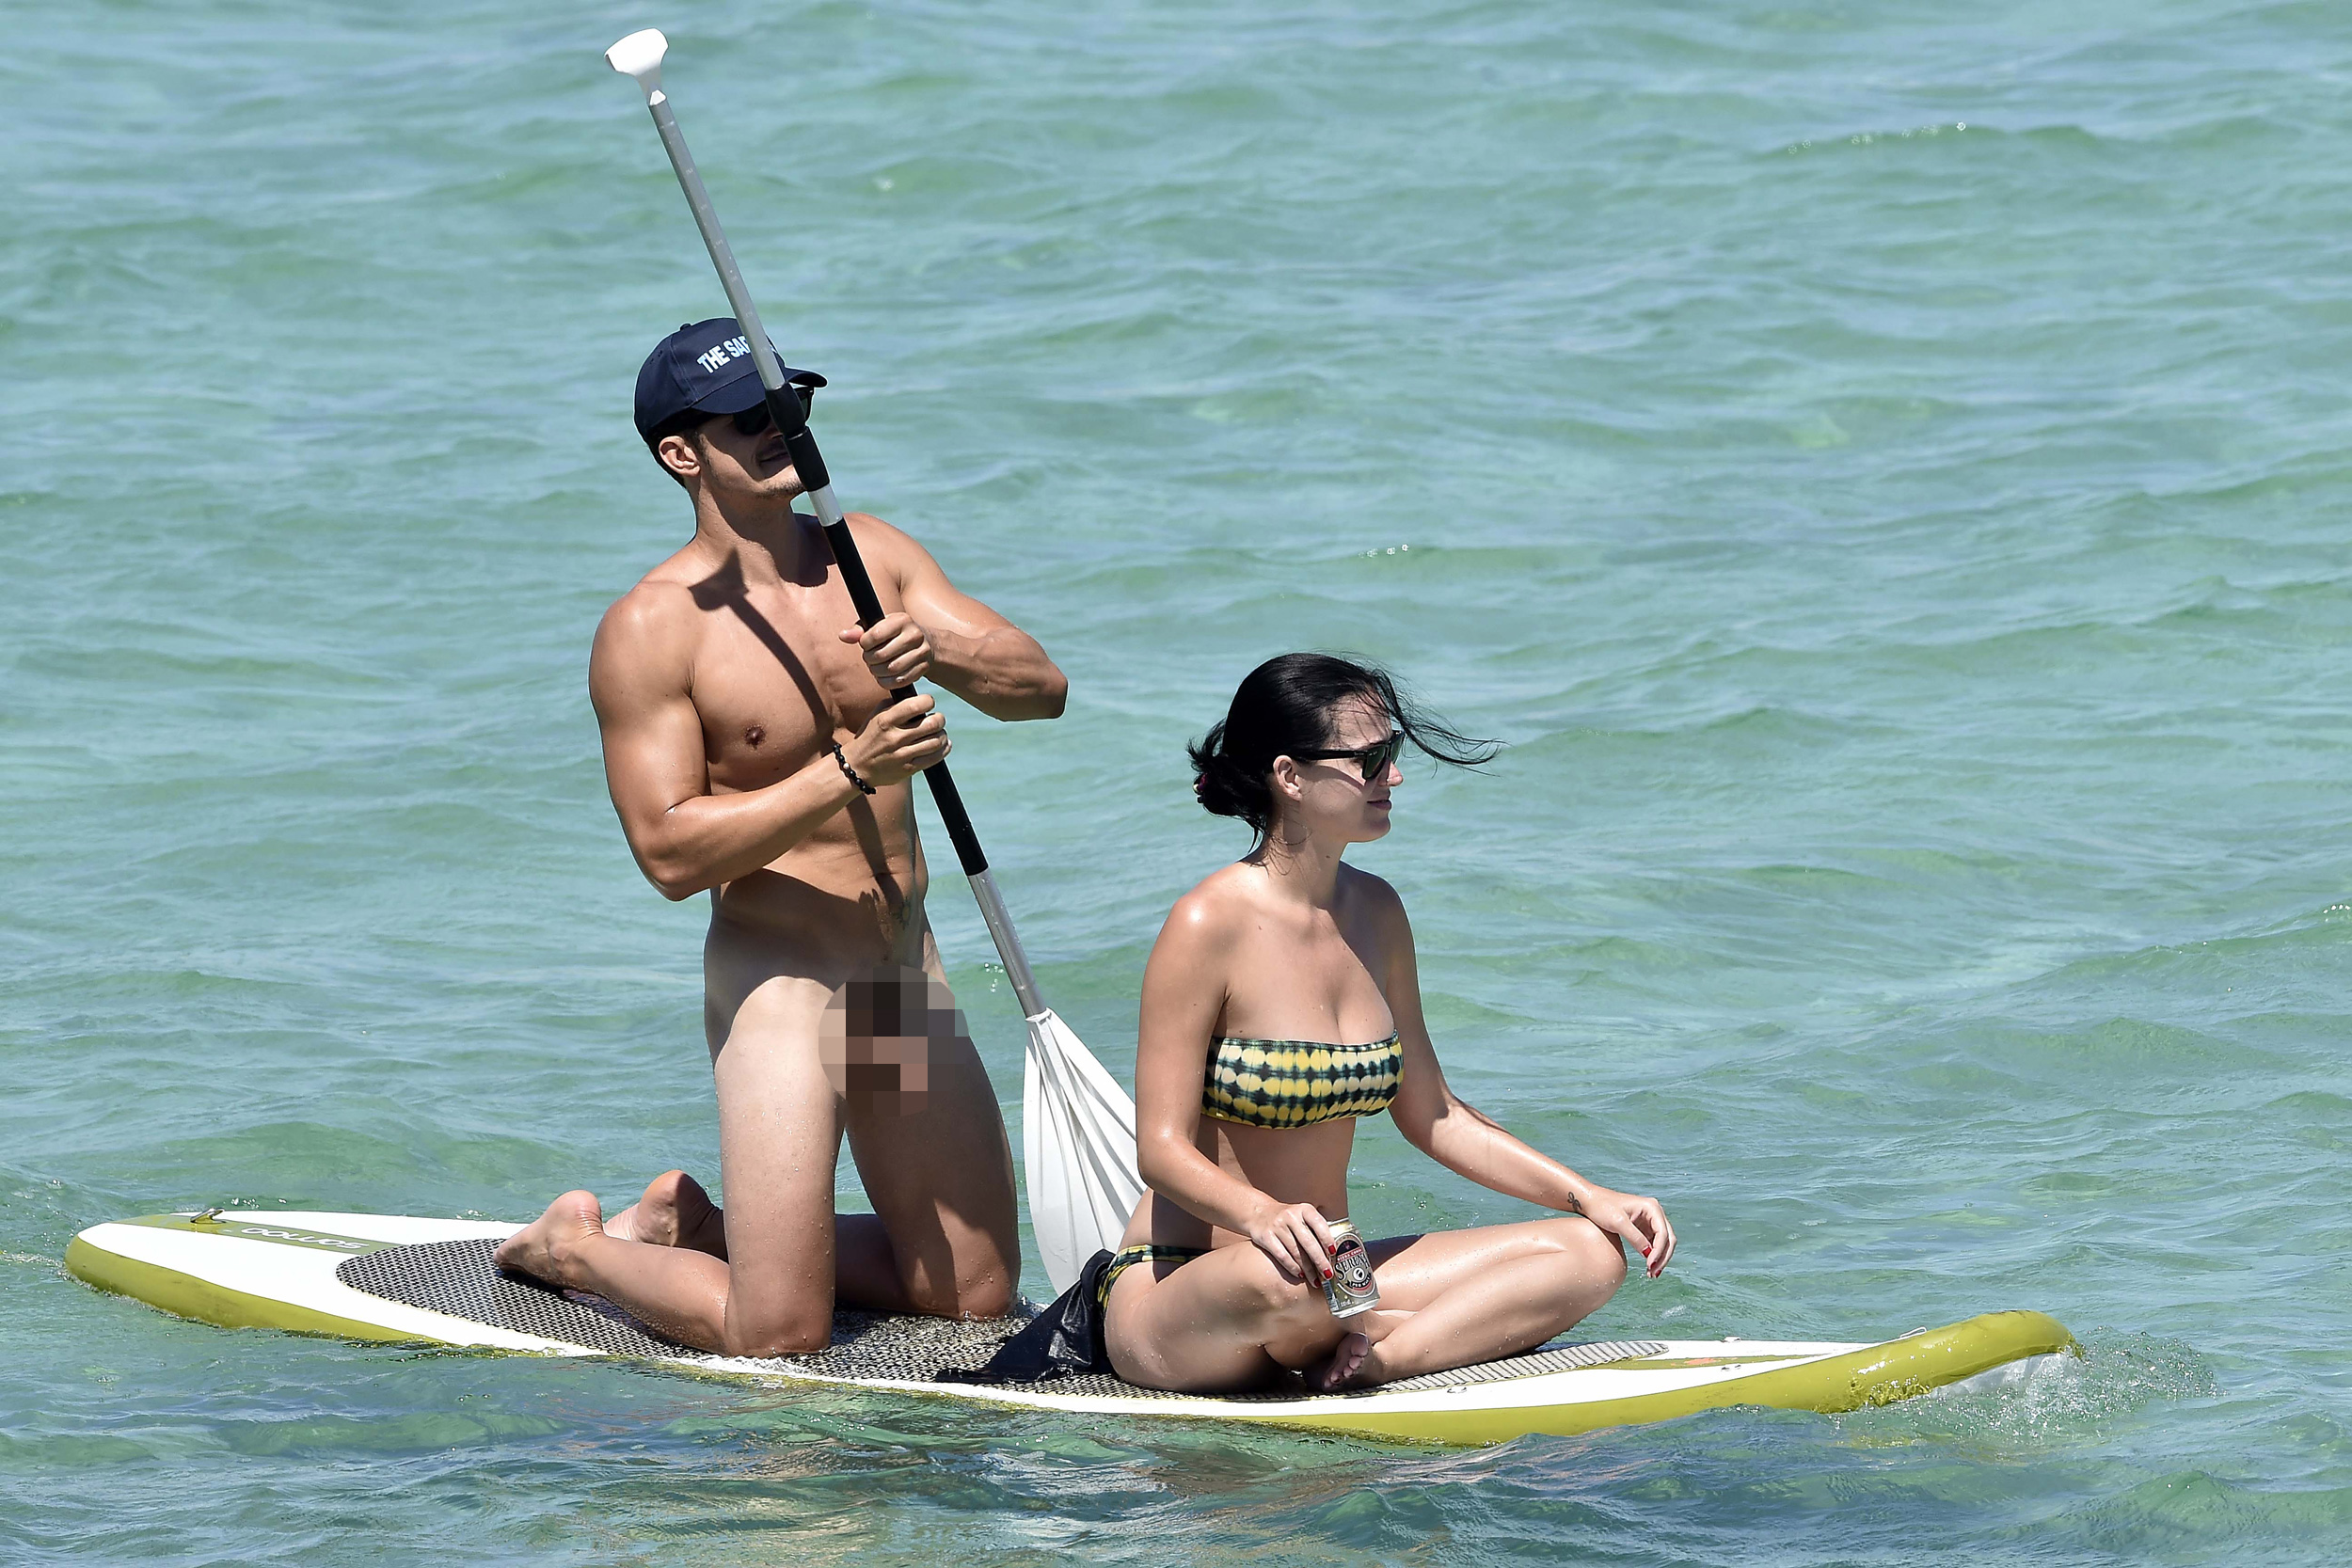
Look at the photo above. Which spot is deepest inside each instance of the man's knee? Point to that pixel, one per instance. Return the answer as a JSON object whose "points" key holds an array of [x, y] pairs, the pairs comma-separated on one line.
{"points": [[784, 1339], [784, 1328], [991, 1293], [991, 1296], [987, 1293]]}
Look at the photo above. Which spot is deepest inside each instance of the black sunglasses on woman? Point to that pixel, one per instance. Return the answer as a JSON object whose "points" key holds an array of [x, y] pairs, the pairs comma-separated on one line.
{"points": [[1375, 758]]}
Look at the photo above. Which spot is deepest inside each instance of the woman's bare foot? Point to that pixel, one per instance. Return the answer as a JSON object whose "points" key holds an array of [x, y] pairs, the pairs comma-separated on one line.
{"points": [[543, 1248], [1347, 1359], [674, 1212]]}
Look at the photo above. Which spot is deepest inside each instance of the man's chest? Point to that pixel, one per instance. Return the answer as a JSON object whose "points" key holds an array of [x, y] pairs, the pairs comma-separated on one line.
{"points": [[773, 681]]}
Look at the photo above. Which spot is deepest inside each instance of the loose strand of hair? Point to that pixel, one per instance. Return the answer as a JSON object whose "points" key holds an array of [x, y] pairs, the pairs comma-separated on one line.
{"points": [[1430, 733]]}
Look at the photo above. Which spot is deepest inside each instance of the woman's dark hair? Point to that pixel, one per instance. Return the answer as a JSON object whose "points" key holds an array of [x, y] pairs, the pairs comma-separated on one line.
{"points": [[1284, 706]]}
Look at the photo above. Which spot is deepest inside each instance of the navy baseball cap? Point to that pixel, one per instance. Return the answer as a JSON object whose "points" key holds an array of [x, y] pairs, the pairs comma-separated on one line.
{"points": [[700, 371]]}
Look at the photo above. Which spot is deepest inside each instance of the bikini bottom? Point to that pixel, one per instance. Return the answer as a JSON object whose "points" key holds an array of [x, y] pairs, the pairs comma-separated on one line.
{"points": [[1128, 1257]]}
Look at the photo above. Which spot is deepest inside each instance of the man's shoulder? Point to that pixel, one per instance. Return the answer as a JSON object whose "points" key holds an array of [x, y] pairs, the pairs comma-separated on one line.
{"points": [[653, 627], [664, 599], [897, 550], [867, 525]]}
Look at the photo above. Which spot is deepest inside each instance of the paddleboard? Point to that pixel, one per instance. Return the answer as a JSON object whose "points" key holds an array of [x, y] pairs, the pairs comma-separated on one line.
{"points": [[397, 1280]]}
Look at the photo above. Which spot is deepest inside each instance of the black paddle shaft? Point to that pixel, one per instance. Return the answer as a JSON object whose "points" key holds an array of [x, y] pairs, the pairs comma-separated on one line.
{"points": [[783, 406]]}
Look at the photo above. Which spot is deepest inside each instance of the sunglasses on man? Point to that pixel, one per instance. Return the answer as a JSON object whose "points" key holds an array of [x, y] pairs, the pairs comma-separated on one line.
{"points": [[1375, 758], [752, 420]]}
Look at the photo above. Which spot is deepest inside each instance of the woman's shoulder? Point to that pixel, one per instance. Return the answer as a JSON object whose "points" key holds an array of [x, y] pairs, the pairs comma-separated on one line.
{"points": [[1205, 927], [1372, 892], [1221, 899]]}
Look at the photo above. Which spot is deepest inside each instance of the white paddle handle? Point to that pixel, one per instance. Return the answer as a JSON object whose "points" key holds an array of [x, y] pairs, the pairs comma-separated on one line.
{"points": [[640, 56]]}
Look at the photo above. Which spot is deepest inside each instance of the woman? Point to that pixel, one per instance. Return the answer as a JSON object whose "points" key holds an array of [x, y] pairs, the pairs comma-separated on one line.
{"points": [[1247, 1088]]}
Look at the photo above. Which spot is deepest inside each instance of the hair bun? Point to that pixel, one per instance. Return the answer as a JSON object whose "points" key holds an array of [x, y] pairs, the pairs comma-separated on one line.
{"points": [[1229, 789], [1224, 786]]}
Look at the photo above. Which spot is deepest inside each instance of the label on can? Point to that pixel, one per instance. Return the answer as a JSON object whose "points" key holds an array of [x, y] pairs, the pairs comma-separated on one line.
{"points": [[1351, 1287]]}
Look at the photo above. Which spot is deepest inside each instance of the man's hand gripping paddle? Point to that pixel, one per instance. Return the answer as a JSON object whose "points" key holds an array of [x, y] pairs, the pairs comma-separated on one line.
{"points": [[1078, 1127]]}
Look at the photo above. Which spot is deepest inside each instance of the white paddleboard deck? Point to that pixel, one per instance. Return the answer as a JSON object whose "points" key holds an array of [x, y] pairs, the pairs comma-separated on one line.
{"points": [[388, 1278]]}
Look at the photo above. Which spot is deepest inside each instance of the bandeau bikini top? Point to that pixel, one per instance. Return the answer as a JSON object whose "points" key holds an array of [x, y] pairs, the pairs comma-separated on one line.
{"points": [[1299, 1083]]}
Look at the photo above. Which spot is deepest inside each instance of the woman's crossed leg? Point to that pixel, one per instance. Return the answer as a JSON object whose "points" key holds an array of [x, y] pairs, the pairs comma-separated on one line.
{"points": [[1229, 1320]]}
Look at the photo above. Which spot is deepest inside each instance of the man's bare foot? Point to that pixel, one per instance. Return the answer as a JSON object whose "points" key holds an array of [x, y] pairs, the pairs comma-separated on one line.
{"points": [[543, 1248], [674, 1212], [1347, 1359]]}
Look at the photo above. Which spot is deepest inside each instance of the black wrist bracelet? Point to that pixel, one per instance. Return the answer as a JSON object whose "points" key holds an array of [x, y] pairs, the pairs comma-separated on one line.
{"points": [[847, 772]]}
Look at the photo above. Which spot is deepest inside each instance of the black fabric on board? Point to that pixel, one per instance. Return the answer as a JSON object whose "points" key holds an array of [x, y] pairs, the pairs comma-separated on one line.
{"points": [[1063, 1340]]}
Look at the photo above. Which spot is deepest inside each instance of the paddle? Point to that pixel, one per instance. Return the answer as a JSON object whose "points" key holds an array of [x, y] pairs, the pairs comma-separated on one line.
{"points": [[1079, 1126]]}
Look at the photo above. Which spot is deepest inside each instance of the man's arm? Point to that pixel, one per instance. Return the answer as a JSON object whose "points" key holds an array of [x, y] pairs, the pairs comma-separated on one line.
{"points": [[947, 636], [685, 838]]}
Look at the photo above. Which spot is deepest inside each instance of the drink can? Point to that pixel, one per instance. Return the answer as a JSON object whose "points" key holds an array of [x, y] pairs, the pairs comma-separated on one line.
{"points": [[1351, 1287]]}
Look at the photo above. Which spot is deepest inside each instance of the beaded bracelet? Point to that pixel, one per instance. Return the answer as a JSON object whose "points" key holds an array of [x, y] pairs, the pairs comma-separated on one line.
{"points": [[847, 772]]}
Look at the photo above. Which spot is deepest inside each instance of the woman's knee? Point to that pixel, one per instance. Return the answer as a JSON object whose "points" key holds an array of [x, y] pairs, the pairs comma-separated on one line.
{"points": [[1274, 1298], [1599, 1257]]}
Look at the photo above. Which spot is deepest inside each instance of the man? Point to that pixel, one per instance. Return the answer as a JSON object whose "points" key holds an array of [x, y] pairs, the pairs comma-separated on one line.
{"points": [[752, 750]]}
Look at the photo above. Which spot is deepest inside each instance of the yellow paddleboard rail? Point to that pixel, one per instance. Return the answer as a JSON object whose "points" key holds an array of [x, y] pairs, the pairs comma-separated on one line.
{"points": [[1879, 1374], [186, 1296]]}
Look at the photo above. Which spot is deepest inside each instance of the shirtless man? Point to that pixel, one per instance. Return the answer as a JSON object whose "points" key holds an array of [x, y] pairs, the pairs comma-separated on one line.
{"points": [[752, 750]]}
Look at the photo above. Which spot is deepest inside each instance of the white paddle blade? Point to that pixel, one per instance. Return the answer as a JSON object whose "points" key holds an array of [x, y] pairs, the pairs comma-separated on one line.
{"points": [[640, 56], [1078, 1140]]}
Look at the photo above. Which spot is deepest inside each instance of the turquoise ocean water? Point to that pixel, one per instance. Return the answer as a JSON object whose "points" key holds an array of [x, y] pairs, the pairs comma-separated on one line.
{"points": [[1882, 467]]}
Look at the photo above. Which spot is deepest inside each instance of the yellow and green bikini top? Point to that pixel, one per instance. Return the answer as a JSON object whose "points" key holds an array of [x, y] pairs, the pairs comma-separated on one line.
{"points": [[1299, 1083]]}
